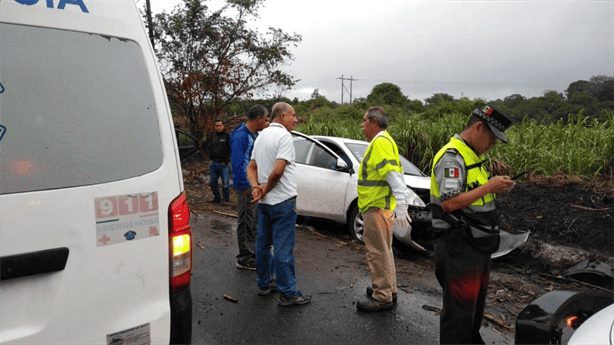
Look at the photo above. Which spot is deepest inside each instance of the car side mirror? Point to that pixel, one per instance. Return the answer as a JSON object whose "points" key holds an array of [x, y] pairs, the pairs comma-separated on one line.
{"points": [[342, 166]]}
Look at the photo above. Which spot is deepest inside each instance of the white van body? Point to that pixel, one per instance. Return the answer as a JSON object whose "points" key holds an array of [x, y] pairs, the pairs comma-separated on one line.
{"points": [[89, 169]]}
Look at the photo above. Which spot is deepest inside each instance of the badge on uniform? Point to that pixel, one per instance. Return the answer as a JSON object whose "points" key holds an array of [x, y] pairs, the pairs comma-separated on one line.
{"points": [[451, 172]]}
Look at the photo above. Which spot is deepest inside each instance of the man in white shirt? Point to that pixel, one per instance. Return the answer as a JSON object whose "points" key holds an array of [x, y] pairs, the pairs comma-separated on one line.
{"points": [[272, 175]]}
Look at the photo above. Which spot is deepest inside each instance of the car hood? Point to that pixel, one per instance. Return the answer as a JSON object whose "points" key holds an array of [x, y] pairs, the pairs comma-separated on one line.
{"points": [[418, 182]]}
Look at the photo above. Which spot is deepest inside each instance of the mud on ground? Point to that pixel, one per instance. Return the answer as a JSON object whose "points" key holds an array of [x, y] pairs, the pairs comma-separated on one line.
{"points": [[556, 210]]}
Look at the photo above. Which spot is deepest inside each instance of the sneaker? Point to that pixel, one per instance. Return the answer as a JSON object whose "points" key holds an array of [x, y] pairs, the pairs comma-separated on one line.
{"points": [[370, 293], [271, 287], [285, 301], [246, 266], [371, 304]]}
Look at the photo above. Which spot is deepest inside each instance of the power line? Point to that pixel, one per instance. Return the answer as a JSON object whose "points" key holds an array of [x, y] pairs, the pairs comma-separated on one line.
{"points": [[344, 89]]}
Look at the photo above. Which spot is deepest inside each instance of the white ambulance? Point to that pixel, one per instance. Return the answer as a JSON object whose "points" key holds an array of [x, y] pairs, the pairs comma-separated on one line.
{"points": [[95, 242]]}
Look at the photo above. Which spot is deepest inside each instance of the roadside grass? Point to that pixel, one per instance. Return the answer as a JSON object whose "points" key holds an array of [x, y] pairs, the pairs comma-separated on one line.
{"points": [[582, 147]]}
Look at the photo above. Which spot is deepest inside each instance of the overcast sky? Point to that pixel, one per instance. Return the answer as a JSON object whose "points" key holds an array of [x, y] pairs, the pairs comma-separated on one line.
{"points": [[487, 50]]}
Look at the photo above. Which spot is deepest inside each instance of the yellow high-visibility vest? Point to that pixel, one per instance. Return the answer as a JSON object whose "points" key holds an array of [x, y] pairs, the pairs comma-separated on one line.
{"points": [[476, 174], [381, 157]]}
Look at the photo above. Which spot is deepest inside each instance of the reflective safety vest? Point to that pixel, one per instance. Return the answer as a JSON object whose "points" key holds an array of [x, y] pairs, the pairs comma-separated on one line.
{"points": [[476, 174], [381, 157]]}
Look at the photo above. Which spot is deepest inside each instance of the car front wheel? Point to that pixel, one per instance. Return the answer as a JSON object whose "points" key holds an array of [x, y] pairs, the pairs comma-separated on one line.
{"points": [[356, 225]]}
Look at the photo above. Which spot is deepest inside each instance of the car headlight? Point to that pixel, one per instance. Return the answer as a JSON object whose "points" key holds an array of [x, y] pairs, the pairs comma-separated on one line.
{"points": [[412, 199]]}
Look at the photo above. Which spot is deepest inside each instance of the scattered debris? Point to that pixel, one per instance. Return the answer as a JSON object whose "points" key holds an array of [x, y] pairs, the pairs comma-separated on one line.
{"points": [[232, 299], [431, 308], [497, 321], [574, 281], [590, 209], [225, 214], [334, 240], [206, 309]]}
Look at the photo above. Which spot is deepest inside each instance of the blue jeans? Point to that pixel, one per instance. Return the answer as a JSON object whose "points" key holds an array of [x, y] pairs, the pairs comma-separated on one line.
{"points": [[215, 170], [276, 227]]}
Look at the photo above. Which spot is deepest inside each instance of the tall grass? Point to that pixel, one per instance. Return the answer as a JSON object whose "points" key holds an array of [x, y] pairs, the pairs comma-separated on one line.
{"points": [[581, 147]]}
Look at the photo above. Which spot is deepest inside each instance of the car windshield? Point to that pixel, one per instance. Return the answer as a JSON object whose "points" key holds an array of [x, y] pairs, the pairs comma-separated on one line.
{"points": [[358, 150]]}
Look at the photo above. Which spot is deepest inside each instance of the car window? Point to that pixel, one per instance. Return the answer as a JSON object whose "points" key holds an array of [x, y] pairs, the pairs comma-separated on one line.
{"points": [[322, 159], [82, 113], [358, 150], [301, 148], [336, 149]]}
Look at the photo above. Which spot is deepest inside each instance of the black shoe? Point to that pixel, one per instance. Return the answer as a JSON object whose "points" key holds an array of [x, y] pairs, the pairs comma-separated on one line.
{"points": [[370, 293], [246, 266], [371, 304], [215, 201], [271, 287], [294, 300]]}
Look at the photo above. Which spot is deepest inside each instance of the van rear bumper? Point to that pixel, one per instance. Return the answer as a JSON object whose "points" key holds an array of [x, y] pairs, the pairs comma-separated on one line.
{"points": [[181, 317]]}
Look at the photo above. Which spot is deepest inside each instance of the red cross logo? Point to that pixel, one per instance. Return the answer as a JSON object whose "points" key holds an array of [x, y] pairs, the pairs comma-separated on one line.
{"points": [[104, 240]]}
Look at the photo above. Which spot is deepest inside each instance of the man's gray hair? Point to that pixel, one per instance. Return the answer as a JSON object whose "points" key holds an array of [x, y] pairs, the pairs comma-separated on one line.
{"points": [[379, 114], [257, 112], [278, 109]]}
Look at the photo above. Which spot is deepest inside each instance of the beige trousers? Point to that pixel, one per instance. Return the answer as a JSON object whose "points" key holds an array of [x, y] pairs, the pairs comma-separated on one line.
{"points": [[378, 244]]}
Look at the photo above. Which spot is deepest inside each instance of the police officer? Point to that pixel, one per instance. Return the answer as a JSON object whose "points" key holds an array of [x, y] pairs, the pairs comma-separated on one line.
{"points": [[382, 194], [465, 223]]}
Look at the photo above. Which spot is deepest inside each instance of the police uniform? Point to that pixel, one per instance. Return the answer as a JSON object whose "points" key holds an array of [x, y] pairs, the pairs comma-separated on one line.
{"points": [[464, 239], [376, 202]]}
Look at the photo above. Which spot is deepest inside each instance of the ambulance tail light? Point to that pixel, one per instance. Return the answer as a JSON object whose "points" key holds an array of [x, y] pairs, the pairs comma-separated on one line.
{"points": [[180, 243]]}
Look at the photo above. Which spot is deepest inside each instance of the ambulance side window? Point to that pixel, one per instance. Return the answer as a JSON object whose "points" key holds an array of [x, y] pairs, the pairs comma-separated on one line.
{"points": [[82, 105]]}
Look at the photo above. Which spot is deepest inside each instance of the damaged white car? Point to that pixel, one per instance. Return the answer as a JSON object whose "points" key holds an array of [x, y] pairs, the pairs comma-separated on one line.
{"points": [[327, 183]]}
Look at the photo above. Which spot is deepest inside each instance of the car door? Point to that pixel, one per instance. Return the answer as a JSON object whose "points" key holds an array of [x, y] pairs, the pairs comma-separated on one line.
{"points": [[322, 183]]}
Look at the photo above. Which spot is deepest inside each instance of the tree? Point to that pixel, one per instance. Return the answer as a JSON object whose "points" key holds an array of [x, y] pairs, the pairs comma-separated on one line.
{"points": [[576, 87], [554, 100], [315, 94], [603, 88], [209, 59], [386, 94], [438, 98], [513, 100], [415, 105]]}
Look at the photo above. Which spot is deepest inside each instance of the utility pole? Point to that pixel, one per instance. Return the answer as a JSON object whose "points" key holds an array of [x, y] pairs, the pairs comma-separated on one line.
{"points": [[345, 89]]}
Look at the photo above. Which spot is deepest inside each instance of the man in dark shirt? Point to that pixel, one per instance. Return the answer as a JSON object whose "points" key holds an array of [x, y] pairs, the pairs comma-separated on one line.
{"points": [[218, 149]]}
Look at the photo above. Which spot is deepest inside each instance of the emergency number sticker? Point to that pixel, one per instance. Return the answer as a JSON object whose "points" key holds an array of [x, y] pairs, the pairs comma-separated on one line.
{"points": [[134, 336], [124, 218]]}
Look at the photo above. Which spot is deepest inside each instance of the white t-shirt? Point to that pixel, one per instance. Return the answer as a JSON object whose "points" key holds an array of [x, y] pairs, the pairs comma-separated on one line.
{"points": [[273, 143]]}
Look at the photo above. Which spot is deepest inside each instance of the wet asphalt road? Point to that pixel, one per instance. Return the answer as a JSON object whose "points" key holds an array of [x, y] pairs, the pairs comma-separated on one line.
{"points": [[330, 318]]}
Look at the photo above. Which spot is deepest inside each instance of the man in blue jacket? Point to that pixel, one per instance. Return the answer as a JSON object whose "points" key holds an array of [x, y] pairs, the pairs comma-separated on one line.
{"points": [[241, 145]]}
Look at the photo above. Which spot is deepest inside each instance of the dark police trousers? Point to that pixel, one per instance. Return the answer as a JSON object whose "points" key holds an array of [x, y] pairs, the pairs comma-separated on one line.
{"points": [[463, 272]]}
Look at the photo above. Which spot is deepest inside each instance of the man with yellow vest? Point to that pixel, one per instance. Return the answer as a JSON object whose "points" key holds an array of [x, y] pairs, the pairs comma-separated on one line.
{"points": [[381, 199], [465, 223]]}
